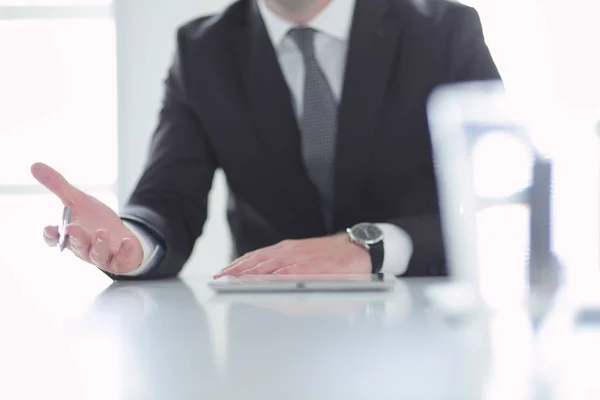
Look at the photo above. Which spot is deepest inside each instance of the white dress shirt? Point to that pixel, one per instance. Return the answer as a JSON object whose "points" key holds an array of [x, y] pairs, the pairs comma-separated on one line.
{"points": [[332, 28]]}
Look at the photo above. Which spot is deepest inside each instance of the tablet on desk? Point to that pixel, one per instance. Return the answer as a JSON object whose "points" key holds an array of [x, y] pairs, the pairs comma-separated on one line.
{"points": [[293, 283]]}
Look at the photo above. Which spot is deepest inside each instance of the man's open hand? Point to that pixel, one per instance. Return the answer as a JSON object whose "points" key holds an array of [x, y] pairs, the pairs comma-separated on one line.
{"points": [[96, 233], [327, 255]]}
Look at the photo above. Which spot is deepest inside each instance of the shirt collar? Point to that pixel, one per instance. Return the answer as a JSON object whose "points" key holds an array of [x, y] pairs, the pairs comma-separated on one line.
{"points": [[335, 20]]}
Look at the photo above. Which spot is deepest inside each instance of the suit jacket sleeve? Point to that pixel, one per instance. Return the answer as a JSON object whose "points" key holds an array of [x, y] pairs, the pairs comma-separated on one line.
{"points": [[170, 199], [468, 59]]}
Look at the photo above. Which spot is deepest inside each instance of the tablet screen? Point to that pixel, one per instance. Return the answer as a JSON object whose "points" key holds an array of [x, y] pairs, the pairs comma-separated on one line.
{"points": [[304, 278]]}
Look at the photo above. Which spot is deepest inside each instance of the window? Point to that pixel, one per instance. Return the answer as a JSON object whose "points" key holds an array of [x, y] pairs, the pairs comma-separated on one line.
{"points": [[544, 47], [544, 50], [58, 105]]}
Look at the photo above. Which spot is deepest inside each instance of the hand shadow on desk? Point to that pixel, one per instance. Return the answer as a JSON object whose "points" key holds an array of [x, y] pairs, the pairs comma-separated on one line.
{"points": [[162, 336]]}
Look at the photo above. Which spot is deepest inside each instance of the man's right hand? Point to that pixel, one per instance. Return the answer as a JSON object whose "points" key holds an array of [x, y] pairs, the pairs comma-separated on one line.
{"points": [[96, 233]]}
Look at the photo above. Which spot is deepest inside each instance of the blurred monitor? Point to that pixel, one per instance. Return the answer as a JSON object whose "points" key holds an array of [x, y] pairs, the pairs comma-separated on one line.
{"points": [[495, 190]]}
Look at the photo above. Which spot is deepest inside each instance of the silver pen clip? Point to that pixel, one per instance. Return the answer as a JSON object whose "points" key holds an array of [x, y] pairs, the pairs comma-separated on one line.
{"points": [[62, 229]]}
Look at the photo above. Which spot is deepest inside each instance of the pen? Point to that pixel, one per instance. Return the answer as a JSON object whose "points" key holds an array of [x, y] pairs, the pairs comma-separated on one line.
{"points": [[62, 230]]}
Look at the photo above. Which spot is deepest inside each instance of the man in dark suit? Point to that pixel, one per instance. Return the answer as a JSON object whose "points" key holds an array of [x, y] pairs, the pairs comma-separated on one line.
{"points": [[316, 112]]}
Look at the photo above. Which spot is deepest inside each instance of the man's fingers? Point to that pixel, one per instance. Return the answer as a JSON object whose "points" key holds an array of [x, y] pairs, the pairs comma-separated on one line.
{"points": [[267, 267], [241, 259], [51, 235], [126, 259], [297, 269], [267, 252], [243, 265], [100, 253], [235, 264], [56, 183], [79, 241]]}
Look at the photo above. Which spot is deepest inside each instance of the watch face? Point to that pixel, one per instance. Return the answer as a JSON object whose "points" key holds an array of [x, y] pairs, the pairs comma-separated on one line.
{"points": [[367, 233]]}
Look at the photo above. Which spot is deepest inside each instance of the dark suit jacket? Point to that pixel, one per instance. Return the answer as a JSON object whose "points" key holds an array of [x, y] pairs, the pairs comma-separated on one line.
{"points": [[227, 105]]}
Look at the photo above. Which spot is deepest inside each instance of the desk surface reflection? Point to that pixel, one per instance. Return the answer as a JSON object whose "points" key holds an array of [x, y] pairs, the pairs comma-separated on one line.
{"points": [[176, 339]]}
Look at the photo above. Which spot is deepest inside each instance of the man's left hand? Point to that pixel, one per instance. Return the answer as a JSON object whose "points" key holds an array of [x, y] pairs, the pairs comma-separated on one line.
{"points": [[327, 255]]}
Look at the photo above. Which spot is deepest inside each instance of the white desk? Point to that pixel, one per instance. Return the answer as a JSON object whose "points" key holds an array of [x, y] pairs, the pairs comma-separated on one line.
{"points": [[87, 339]]}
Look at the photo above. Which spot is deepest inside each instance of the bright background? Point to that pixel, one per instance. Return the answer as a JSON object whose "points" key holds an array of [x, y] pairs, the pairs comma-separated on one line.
{"points": [[81, 83]]}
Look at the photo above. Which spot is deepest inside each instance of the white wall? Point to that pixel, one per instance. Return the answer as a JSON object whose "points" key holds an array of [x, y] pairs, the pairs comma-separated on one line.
{"points": [[145, 44]]}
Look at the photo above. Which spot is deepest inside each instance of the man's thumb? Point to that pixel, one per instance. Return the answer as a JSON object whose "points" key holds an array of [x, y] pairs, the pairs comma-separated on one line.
{"points": [[56, 183]]}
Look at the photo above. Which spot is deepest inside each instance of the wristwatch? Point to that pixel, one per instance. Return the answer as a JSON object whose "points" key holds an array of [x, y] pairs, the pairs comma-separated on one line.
{"points": [[370, 237]]}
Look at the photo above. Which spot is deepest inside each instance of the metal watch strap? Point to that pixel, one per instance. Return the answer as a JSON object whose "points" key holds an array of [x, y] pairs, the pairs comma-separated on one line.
{"points": [[376, 252]]}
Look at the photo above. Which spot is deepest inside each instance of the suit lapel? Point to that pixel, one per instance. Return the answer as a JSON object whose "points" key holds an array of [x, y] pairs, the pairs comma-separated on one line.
{"points": [[371, 52], [274, 122]]}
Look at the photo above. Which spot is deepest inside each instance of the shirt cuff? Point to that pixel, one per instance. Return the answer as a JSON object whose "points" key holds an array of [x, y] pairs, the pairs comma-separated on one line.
{"points": [[397, 248], [149, 249]]}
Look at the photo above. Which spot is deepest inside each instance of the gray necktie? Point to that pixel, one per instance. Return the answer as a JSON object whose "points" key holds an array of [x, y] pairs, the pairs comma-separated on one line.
{"points": [[318, 122]]}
